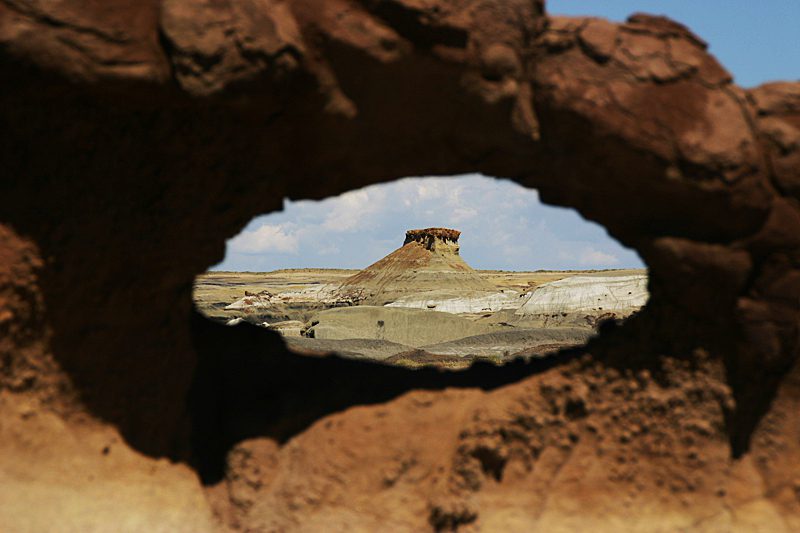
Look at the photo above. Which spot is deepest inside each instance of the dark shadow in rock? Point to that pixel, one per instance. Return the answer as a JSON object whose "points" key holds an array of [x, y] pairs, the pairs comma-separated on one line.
{"points": [[249, 384]]}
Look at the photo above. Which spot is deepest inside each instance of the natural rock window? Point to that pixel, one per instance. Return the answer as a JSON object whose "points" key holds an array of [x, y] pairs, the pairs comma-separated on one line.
{"points": [[137, 139], [544, 279]]}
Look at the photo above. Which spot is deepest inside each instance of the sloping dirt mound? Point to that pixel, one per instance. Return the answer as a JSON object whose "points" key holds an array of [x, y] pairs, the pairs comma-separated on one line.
{"points": [[413, 327], [504, 343], [583, 300], [366, 348], [427, 261], [586, 294], [490, 346], [459, 301], [541, 350], [580, 448], [422, 357]]}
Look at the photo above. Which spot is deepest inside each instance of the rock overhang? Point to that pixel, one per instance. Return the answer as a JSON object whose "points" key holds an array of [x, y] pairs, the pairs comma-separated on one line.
{"points": [[439, 240], [432, 233], [604, 111]]}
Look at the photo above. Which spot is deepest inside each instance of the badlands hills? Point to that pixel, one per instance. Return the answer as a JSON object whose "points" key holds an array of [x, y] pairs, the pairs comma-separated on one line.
{"points": [[427, 263], [422, 304]]}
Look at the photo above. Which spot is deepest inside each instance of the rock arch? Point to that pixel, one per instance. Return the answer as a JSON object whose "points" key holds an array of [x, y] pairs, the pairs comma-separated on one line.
{"points": [[138, 139]]}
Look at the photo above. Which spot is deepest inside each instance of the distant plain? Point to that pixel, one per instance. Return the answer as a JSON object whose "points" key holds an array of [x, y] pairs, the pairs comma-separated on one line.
{"points": [[214, 290]]}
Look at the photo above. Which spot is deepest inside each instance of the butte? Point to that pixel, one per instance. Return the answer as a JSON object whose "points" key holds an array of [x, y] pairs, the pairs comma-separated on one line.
{"points": [[427, 272]]}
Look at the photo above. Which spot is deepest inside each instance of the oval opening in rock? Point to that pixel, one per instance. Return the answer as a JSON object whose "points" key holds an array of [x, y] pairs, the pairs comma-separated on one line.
{"points": [[426, 271]]}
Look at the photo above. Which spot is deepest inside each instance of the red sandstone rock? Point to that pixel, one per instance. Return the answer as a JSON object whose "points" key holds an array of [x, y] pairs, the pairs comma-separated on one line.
{"points": [[136, 139], [87, 41]]}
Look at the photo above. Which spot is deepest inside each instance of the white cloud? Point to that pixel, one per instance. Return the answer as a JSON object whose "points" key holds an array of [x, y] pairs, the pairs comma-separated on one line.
{"points": [[461, 214], [332, 249], [591, 257], [454, 195], [516, 253], [266, 239], [429, 190], [563, 255], [351, 208], [503, 226]]}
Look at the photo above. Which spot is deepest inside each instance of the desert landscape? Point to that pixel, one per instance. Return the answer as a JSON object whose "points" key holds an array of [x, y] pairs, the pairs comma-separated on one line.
{"points": [[137, 138], [423, 305]]}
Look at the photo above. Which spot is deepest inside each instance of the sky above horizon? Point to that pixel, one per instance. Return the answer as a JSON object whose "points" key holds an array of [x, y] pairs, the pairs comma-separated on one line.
{"points": [[504, 226]]}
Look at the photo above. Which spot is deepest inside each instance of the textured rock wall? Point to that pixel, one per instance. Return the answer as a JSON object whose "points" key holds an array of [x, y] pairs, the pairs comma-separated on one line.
{"points": [[135, 140], [429, 237]]}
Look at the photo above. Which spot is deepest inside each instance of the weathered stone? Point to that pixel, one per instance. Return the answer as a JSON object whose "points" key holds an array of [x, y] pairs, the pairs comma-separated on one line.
{"points": [[217, 44], [86, 41], [137, 139], [428, 261], [585, 298], [778, 123]]}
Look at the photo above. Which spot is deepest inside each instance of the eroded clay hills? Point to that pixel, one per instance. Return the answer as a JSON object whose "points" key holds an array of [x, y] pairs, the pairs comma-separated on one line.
{"points": [[135, 140], [428, 261], [423, 304]]}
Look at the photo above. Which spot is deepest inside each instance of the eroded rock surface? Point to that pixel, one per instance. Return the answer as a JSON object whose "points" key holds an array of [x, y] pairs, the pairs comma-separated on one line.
{"points": [[427, 272], [428, 262], [584, 300], [458, 301], [411, 327], [137, 139]]}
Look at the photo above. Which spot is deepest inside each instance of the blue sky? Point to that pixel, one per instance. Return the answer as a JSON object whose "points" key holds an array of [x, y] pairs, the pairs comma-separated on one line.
{"points": [[503, 225]]}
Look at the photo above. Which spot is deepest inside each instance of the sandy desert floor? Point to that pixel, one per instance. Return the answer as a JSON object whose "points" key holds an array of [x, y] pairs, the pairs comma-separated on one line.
{"points": [[214, 288], [500, 341]]}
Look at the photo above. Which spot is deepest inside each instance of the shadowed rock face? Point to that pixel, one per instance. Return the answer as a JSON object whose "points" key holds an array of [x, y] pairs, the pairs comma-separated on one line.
{"points": [[137, 139]]}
